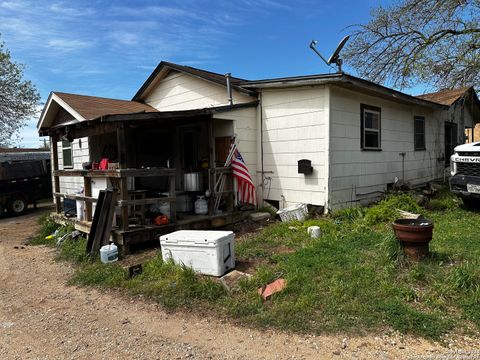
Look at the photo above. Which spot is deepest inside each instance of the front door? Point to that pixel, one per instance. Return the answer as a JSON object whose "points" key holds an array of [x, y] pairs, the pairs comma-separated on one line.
{"points": [[451, 140]]}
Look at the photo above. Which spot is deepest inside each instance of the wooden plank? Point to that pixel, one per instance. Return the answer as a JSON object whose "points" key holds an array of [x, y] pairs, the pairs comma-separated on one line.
{"points": [[87, 199], [102, 221], [97, 223], [109, 208], [56, 179], [153, 171], [223, 170], [124, 209], [146, 201], [87, 190], [92, 129]]}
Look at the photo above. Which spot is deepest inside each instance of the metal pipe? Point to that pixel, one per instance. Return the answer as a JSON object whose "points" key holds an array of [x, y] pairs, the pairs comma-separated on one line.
{"points": [[228, 78], [402, 154]]}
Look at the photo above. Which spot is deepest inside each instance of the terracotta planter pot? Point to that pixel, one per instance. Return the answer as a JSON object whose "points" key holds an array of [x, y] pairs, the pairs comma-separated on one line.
{"points": [[414, 236]]}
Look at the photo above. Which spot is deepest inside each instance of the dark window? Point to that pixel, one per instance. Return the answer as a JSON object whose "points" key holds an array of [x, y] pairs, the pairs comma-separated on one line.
{"points": [[419, 132], [67, 154], [370, 137]]}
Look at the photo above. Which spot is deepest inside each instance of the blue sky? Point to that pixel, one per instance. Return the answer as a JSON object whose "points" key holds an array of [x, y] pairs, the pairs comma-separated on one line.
{"points": [[108, 48]]}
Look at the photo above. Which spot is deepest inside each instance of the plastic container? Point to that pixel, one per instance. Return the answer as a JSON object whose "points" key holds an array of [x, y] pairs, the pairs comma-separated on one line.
{"points": [[314, 231], [295, 212], [201, 206], [208, 252], [108, 253], [184, 203], [80, 205]]}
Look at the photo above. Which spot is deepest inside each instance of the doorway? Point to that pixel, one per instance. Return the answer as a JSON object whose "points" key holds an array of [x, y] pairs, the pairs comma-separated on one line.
{"points": [[451, 140]]}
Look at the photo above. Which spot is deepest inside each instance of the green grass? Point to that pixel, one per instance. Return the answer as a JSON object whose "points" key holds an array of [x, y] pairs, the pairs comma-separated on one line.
{"points": [[353, 279], [47, 227]]}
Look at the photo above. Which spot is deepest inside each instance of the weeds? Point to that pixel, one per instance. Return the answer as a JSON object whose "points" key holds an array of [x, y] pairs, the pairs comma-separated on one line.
{"points": [[387, 209], [354, 278], [47, 227]]}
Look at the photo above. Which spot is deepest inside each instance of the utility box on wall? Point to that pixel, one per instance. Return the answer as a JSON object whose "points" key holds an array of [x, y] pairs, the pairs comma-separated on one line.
{"points": [[305, 167]]}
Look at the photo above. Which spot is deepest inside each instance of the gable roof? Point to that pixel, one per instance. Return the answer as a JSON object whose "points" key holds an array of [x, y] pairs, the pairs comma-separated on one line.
{"points": [[447, 96], [83, 107], [91, 107], [166, 66]]}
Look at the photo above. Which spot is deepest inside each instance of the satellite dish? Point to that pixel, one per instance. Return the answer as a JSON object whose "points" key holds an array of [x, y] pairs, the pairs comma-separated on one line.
{"points": [[334, 59]]}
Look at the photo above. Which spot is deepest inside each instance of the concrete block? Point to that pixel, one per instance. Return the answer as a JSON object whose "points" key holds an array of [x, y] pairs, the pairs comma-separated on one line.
{"points": [[259, 216]]}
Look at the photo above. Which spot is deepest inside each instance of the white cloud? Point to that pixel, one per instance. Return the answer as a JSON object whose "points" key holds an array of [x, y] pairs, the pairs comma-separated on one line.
{"points": [[67, 44], [61, 8]]}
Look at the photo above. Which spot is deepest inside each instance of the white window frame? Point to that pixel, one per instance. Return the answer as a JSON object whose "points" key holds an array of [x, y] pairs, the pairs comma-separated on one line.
{"points": [[372, 110], [70, 147], [415, 145]]}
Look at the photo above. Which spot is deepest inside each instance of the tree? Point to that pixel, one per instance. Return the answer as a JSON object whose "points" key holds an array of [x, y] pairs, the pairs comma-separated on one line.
{"points": [[18, 98], [436, 42]]}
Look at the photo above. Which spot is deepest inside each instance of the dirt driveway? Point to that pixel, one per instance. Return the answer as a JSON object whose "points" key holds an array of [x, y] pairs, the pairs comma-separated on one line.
{"points": [[41, 317]]}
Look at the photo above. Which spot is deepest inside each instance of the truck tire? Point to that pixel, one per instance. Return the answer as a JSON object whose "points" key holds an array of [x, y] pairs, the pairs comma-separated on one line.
{"points": [[17, 205], [471, 204]]}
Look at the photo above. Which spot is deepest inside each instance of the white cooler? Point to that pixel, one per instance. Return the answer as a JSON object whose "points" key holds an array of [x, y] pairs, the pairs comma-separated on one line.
{"points": [[208, 252]]}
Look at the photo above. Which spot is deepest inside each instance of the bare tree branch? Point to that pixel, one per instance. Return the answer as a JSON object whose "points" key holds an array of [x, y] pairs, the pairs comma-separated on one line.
{"points": [[435, 42]]}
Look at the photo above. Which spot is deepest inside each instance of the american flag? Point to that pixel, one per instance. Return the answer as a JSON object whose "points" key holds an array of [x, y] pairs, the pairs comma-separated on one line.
{"points": [[246, 188]]}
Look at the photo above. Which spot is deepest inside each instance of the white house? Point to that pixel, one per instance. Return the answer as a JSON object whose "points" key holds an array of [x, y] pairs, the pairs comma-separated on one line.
{"points": [[359, 136]]}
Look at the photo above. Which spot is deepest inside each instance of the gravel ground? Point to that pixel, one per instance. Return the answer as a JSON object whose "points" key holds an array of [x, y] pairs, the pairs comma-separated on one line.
{"points": [[41, 317]]}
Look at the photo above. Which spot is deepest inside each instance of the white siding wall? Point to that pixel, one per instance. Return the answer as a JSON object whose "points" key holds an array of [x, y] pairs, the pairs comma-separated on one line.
{"points": [[355, 175], [245, 128], [180, 91], [80, 155], [295, 126]]}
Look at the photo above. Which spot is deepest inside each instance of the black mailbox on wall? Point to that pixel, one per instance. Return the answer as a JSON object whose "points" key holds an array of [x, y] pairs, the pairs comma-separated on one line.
{"points": [[305, 167]]}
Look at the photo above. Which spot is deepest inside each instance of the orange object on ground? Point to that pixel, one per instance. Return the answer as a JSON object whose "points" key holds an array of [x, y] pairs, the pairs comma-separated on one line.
{"points": [[161, 220], [266, 291]]}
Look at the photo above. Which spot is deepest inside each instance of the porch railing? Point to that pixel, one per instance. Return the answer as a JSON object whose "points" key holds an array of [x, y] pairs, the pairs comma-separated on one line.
{"points": [[118, 179]]}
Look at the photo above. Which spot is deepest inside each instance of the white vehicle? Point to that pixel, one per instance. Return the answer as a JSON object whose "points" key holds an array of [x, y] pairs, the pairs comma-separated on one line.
{"points": [[465, 169]]}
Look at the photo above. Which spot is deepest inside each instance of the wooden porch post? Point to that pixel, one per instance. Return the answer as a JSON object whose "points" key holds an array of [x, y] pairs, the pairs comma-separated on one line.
{"points": [[122, 164], [212, 176], [56, 178], [122, 146]]}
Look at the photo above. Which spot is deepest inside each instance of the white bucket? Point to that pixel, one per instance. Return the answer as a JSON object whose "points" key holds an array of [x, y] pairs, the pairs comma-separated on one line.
{"points": [[313, 231], [108, 253]]}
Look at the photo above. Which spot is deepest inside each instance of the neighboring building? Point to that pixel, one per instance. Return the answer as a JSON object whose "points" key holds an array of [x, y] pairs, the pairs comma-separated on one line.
{"points": [[463, 114], [359, 136]]}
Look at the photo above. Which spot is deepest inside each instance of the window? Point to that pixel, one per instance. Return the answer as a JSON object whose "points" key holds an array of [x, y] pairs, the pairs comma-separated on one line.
{"points": [[370, 136], [67, 154], [419, 132]]}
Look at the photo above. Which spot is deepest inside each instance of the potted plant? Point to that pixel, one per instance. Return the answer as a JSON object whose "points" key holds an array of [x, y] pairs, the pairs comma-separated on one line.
{"points": [[414, 236]]}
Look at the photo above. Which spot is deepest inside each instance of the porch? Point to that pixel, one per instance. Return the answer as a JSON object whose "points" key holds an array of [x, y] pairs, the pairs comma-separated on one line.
{"points": [[150, 157]]}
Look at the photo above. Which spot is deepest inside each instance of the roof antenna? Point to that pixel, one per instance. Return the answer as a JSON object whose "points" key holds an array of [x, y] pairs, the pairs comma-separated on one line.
{"points": [[335, 58]]}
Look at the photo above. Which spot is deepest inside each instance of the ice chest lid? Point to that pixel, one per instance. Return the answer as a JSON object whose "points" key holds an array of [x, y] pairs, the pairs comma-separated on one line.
{"points": [[198, 236]]}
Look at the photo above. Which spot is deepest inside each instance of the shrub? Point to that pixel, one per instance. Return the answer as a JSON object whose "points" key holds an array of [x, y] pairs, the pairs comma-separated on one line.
{"points": [[387, 209], [349, 214]]}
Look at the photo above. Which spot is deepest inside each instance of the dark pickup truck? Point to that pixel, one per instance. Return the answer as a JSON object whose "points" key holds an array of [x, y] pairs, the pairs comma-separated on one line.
{"points": [[25, 178]]}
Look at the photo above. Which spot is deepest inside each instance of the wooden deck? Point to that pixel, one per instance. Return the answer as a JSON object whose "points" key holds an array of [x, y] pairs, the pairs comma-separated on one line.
{"points": [[141, 233]]}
